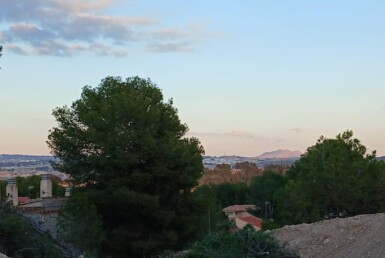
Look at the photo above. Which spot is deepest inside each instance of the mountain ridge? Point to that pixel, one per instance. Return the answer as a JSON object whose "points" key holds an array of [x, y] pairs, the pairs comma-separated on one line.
{"points": [[280, 154]]}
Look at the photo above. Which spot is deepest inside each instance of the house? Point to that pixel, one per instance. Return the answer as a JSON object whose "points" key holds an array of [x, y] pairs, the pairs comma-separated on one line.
{"points": [[240, 215]]}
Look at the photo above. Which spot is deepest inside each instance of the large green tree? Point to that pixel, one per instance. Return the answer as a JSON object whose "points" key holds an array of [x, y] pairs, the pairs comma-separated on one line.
{"points": [[335, 176], [127, 147]]}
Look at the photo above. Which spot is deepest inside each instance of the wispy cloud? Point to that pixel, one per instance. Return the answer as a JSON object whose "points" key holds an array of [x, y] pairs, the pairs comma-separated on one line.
{"points": [[234, 133], [297, 130], [241, 134], [170, 47], [65, 28]]}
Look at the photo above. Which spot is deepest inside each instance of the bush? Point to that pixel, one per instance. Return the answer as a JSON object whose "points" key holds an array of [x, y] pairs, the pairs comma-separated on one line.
{"points": [[244, 243], [19, 239]]}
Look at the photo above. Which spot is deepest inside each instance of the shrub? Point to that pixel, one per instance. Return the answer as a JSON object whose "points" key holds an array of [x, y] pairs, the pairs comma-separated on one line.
{"points": [[244, 243]]}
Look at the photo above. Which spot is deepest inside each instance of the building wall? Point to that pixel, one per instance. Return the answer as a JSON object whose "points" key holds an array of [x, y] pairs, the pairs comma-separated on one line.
{"points": [[45, 187], [12, 194]]}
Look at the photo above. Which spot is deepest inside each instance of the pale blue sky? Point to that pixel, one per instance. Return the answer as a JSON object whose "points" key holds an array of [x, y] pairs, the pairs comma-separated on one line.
{"points": [[246, 76]]}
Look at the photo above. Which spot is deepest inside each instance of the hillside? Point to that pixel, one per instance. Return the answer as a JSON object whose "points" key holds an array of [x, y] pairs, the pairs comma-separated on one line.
{"points": [[354, 237]]}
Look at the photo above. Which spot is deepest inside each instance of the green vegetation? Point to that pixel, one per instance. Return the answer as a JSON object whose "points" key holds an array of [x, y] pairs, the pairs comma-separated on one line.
{"points": [[128, 149], [262, 192], [18, 239], [222, 173], [81, 225], [229, 194], [334, 178], [244, 243]]}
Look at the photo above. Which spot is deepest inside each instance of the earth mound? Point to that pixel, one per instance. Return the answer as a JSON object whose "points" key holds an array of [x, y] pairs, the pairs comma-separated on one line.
{"points": [[353, 237]]}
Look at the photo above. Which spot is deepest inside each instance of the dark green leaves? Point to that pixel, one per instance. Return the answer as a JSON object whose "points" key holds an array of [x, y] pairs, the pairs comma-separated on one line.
{"points": [[334, 176], [127, 148]]}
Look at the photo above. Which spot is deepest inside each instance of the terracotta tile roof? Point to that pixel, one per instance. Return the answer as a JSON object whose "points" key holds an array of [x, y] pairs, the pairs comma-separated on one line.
{"points": [[23, 199], [239, 208], [257, 222]]}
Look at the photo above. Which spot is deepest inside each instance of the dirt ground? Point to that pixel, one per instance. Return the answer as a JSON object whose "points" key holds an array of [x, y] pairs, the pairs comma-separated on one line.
{"points": [[359, 236]]}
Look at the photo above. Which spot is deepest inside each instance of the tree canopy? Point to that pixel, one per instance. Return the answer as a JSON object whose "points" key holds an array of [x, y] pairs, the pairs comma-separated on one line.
{"points": [[127, 147], [335, 176]]}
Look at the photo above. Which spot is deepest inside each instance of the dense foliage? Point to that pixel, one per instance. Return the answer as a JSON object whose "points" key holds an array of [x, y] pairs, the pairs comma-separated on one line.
{"points": [[18, 239], [335, 177], [80, 225], [263, 190], [127, 148], [244, 243], [243, 172], [230, 194]]}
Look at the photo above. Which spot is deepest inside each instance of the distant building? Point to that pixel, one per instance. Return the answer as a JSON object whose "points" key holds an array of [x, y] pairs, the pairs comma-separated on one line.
{"points": [[12, 191], [45, 186], [239, 214], [12, 194], [42, 212]]}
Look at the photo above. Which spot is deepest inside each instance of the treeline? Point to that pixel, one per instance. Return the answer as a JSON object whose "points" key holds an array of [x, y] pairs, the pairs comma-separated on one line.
{"points": [[241, 172], [223, 173]]}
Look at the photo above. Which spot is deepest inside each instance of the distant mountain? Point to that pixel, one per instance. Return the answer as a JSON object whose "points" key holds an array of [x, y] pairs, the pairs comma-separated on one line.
{"points": [[280, 154], [381, 158]]}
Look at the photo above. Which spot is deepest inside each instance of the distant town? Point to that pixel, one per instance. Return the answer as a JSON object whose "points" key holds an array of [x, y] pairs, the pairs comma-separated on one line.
{"points": [[278, 157], [27, 165]]}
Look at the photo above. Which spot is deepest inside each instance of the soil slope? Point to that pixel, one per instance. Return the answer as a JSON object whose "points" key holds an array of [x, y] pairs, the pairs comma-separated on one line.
{"points": [[359, 236]]}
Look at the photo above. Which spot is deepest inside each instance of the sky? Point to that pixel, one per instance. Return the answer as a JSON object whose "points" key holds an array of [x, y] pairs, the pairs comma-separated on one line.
{"points": [[246, 76]]}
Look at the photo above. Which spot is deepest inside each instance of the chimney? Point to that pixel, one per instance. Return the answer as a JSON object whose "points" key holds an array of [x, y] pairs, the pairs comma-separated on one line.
{"points": [[68, 192], [12, 191], [45, 186]]}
